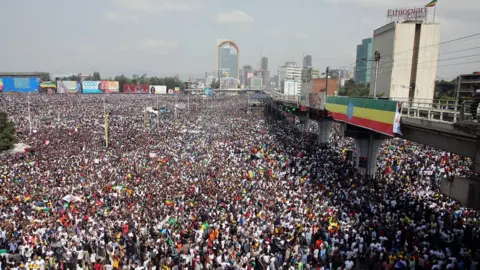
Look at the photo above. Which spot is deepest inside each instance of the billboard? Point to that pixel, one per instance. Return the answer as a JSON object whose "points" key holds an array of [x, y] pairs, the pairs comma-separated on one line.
{"points": [[68, 87], [21, 84], [407, 14], [316, 100], [136, 88], [208, 91], [378, 115], [158, 89], [100, 87]]}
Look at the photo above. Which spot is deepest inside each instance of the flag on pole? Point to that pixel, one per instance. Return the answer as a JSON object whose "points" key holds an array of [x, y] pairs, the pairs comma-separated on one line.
{"points": [[432, 3]]}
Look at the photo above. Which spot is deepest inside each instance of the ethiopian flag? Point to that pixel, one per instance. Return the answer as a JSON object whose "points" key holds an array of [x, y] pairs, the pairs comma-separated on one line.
{"points": [[251, 175], [374, 114], [169, 203], [431, 4]]}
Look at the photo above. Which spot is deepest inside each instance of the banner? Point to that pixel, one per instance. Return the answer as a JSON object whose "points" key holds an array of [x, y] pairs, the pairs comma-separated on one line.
{"points": [[207, 91], [136, 88], [316, 100], [376, 115], [158, 89], [100, 87], [21, 84], [1, 84], [398, 118], [170, 91], [68, 87], [48, 87]]}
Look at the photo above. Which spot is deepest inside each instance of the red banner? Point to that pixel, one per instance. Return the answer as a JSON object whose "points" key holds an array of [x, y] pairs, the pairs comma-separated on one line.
{"points": [[136, 88]]}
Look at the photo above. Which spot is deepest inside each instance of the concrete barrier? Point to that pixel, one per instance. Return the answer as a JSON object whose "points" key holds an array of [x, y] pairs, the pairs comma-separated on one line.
{"points": [[464, 190]]}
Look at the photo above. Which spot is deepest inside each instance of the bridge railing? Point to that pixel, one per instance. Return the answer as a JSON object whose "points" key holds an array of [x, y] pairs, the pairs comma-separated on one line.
{"points": [[440, 110], [281, 96]]}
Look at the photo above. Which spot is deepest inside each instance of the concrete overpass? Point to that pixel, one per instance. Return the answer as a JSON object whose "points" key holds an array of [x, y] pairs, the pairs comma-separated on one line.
{"points": [[440, 124]]}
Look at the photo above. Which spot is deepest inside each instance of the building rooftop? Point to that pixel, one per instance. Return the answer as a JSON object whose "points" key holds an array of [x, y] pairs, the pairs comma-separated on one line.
{"points": [[21, 74]]}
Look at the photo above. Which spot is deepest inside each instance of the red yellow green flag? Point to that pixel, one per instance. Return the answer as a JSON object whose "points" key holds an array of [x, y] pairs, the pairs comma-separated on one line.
{"points": [[432, 3]]}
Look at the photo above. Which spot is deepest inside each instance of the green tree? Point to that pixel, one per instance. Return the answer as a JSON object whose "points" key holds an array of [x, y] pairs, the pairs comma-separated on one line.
{"points": [[215, 84], [445, 89], [122, 79], [144, 79], [96, 76], [157, 81], [72, 78], [44, 76], [7, 132]]}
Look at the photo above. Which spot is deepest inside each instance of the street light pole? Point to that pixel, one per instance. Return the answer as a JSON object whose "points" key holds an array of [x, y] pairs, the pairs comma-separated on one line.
{"points": [[326, 79], [377, 59]]}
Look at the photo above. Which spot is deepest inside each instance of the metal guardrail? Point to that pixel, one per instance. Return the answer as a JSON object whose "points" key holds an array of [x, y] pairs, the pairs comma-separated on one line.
{"points": [[439, 110], [275, 95]]}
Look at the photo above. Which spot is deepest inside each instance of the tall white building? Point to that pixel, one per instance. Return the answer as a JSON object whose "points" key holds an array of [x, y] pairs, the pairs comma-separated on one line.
{"points": [[290, 72], [409, 57]]}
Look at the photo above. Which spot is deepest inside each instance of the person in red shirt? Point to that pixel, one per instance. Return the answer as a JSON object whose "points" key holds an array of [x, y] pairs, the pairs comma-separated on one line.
{"points": [[98, 266]]}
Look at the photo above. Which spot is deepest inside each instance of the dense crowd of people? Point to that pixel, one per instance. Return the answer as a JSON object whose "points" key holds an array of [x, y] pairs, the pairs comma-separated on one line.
{"points": [[210, 185]]}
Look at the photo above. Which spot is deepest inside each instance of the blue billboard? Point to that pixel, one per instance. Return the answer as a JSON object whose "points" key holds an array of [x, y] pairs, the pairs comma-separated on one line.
{"points": [[21, 84]]}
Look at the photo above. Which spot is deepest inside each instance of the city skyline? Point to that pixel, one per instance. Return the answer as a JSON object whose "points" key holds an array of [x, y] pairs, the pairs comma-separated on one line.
{"points": [[136, 36]]}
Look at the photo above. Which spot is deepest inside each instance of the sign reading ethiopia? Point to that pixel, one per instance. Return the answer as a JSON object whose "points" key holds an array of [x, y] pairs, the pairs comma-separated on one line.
{"points": [[408, 14]]}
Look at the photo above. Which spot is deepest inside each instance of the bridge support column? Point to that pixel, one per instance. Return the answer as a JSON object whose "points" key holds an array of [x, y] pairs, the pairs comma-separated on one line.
{"points": [[304, 123], [367, 144], [367, 152], [324, 129]]}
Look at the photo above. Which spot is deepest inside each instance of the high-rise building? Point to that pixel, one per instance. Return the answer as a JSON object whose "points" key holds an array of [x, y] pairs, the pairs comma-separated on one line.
{"points": [[408, 60], [245, 74], [290, 72], [307, 61], [266, 72], [228, 65], [255, 82], [264, 63], [364, 58]]}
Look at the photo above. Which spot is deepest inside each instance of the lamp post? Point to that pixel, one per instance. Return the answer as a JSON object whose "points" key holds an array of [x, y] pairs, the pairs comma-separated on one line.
{"points": [[377, 60]]}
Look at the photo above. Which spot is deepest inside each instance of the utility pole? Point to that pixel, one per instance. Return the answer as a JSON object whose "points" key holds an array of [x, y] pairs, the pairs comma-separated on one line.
{"points": [[104, 106], [377, 59], [29, 115], [188, 102], [326, 79], [457, 98]]}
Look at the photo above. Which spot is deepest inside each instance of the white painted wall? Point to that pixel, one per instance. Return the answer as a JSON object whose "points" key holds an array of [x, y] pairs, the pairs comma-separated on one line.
{"points": [[402, 60], [290, 88], [395, 42], [427, 61], [383, 42]]}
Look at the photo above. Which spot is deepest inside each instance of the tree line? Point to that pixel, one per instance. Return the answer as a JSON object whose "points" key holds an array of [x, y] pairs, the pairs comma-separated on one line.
{"points": [[443, 89], [7, 132]]}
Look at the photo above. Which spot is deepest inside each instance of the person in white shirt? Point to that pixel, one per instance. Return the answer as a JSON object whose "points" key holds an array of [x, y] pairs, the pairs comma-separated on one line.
{"points": [[40, 263]]}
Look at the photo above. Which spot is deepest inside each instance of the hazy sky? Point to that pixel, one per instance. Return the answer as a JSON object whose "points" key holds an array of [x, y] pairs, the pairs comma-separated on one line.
{"points": [[165, 37]]}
